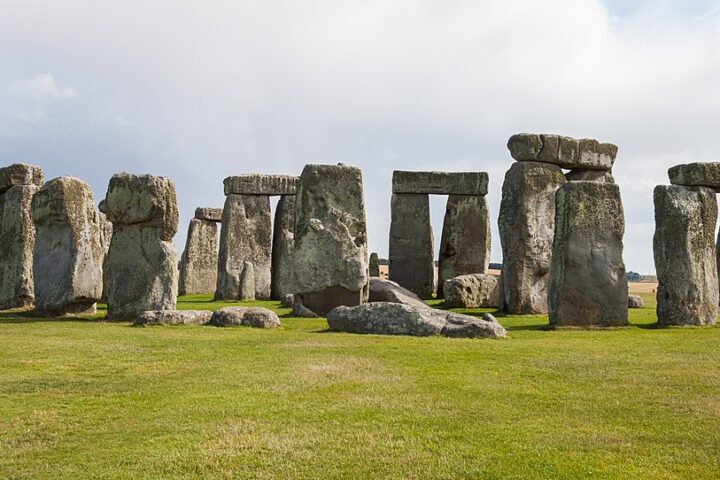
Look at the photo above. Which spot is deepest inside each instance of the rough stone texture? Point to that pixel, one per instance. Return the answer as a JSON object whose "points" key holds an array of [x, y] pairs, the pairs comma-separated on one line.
{"points": [[281, 280], [141, 268], [260, 184], [68, 253], [288, 300], [588, 284], [635, 301], [331, 257], [706, 174], [20, 174], [102, 207], [374, 265], [106, 230], [246, 316], [411, 252], [386, 318], [209, 214], [440, 183], [465, 242], [566, 152], [300, 310], [247, 281], [527, 228], [17, 239], [174, 317], [605, 176], [199, 261], [685, 255], [246, 235], [382, 290], [478, 290]]}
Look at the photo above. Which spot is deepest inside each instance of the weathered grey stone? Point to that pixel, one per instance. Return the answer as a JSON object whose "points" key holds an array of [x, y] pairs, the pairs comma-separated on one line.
{"points": [[106, 230], [382, 290], [247, 281], [300, 310], [588, 285], [281, 280], [246, 316], [685, 255], [68, 253], [635, 301], [331, 257], [374, 265], [20, 174], [563, 151], [260, 184], [174, 317], [465, 242], [209, 214], [246, 236], [479, 290], [440, 183], [102, 207], [199, 261], [288, 300], [590, 176], [141, 268], [386, 318], [527, 228], [17, 238], [411, 252], [705, 174]]}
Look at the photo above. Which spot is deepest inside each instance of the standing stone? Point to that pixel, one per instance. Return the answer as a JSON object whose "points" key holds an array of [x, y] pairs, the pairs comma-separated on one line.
{"points": [[685, 255], [282, 248], [105, 238], [68, 253], [465, 243], [331, 257], [527, 229], [141, 269], [374, 265], [246, 236], [588, 285], [199, 261], [18, 184], [411, 252]]}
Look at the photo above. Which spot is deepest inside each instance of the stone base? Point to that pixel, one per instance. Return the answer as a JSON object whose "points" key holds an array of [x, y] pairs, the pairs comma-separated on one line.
{"points": [[325, 300], [71, 310]]}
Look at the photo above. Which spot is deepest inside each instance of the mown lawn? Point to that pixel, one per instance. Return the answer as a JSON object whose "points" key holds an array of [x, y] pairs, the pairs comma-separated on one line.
{"points": [[89, 399]]}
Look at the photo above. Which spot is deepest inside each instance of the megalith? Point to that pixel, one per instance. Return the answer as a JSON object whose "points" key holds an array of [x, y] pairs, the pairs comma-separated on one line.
{"points": [[588, 285], [105, 238], [283, 242], [141, 269], [199, 260], [68, 253], [18, 184], [374, 265], [412, 251], [331, 256], [685, 255]]}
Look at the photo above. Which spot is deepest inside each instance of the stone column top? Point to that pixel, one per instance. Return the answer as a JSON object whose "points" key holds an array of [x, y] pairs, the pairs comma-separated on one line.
{"points": [[569, 153], [260, 184], [20, 174], [209, 214], [705, 174], [440, 183]]}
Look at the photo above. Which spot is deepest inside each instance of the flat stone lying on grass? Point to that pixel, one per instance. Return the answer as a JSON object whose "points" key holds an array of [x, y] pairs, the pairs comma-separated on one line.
{"points": [[245, 316], [386, 318], [698, 174], [635, 301], [479, 290], [174, 317], [382, 290], [566, 152], [261, 184], [440, 183]]}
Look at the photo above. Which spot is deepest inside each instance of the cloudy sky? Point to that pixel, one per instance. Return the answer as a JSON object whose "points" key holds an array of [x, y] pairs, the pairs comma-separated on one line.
{"points": [[198, 91]]}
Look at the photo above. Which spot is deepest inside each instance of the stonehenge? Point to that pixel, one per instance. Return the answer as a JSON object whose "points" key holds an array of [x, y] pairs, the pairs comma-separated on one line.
{"points": [[283, 242], [18, 184], [141, 269], [477, 290], [199, 260], [68, 253], [374, 265]]}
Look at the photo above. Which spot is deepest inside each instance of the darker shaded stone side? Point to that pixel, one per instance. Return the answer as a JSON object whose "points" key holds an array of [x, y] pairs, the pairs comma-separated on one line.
{"points": [[411, 252], [282, 248]]}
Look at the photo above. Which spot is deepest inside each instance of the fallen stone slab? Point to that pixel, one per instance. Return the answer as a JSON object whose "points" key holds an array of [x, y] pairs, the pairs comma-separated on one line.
{"points": [[245, 316], [635, 301], [260, 184], [699, 174], [386, 318], [209, 214], [440, 183], [382, 290], [566, 152], [174, 317], [479, 290], [20, 174]]}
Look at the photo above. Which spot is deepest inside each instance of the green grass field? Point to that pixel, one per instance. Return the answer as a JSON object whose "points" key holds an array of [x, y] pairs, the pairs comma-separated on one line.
{"points": [[86, 399]]}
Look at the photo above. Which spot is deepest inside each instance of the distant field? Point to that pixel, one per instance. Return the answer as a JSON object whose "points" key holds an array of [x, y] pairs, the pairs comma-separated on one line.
{"points": [[86, 399]]}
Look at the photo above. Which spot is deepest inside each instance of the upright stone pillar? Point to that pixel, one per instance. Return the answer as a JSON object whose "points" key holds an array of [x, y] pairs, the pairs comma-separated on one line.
{"points": [[282, 248], [18, 184], [412, 250], [141, 269], [105, 238], [685, 255], [374, 265], [68, 254], [465, 243], [199, 261], [331, 257], [588, 285]]}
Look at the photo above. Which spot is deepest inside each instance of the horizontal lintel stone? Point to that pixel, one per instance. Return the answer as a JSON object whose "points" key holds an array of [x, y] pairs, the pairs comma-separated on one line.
{"points": [[20, 174], [566, 152], [440, 183], [705, 174], [260, 184], [209, 214]]}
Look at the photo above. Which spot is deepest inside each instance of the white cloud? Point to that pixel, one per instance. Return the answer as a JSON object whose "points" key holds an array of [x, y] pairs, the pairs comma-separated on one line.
{"points": [[38, 90]]}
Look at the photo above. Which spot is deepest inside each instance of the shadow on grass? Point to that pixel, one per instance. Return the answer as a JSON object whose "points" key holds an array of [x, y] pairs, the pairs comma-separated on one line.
{"points": [[30, 317]]}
